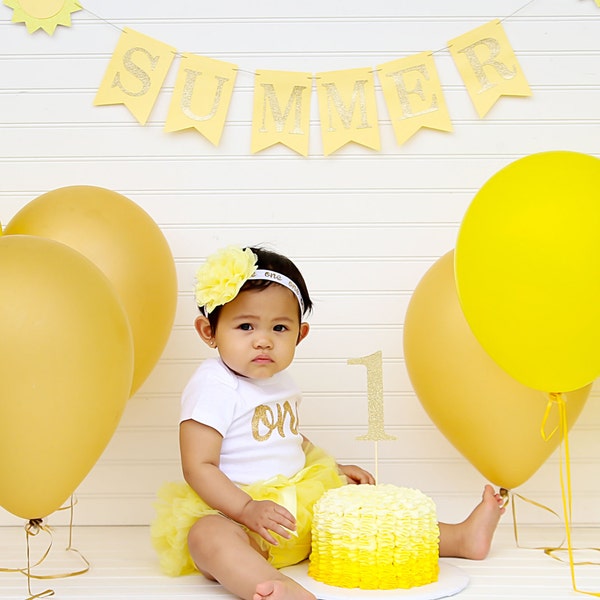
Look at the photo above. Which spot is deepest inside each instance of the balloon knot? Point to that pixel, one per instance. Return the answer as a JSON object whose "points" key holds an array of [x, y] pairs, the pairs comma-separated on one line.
{"points": [[34, 526]]}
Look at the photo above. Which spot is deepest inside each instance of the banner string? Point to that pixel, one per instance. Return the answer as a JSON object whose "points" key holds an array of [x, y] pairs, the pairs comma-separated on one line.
{"points": [[178, 54], [506, 18], [518, 10]]}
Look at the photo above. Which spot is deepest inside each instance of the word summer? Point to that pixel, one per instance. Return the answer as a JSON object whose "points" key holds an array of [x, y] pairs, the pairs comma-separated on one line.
{"points": [[347, 105]]}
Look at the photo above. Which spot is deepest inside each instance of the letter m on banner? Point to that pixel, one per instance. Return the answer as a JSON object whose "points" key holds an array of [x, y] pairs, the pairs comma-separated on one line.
{"points": [[281, 111]]}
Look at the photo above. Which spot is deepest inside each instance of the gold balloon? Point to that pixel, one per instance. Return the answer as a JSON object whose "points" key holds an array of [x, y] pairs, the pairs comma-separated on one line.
{"points": [[492, 419], [66, 363], [126, 244]]}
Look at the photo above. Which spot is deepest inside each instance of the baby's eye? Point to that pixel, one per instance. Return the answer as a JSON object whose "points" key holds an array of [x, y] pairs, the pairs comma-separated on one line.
{"points": [[246, 326], [280, 328]]}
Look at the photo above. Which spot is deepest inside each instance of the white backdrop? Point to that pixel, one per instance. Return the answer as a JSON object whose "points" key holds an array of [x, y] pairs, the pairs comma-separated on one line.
{"points": [[363, 226]]}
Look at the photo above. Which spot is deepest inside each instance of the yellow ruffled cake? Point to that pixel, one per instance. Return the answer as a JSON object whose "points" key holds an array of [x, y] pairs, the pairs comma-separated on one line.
{"points": [[374, 537]]}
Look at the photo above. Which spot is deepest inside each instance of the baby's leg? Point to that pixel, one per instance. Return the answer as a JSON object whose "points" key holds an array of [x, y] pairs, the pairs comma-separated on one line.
{"points": [[222, 550], [473, 537]]}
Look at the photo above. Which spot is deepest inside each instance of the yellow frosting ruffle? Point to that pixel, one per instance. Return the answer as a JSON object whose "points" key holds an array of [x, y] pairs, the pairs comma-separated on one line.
{"points": [[375, 538], [178, 507]]}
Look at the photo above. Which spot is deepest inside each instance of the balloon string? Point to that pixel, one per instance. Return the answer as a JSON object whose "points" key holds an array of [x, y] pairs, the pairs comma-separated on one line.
{"points": [[32, 528], [565, 486], [509, 498], [549, 406], [558, 400]]}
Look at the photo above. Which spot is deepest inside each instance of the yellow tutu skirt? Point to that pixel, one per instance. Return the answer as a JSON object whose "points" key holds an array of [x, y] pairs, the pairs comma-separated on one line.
{"points": [[179, 507]]}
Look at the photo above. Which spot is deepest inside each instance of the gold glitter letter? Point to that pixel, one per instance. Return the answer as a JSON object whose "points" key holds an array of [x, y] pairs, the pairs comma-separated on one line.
{"points": [[488, 66], [201, 96], [413, 94], [347, 109], [135, 83], [269, 122]]}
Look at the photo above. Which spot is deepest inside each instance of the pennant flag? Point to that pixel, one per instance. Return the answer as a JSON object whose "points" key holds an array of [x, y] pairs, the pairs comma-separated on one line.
{"points": [[413, 95], [488, 66], [281, 112], [135, 74], [42, 14], [347, 109], [201, 96]]}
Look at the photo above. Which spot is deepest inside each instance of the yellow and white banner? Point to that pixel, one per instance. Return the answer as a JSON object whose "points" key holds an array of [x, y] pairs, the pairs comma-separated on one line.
{"points": [[201, 96], [488, 66], [413, 94], [135, 74], [281, 112], [347, 101], [347, 109]]}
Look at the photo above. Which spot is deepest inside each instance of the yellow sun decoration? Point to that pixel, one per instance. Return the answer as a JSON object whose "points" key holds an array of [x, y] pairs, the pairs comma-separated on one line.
{"points": [[43, 14]]}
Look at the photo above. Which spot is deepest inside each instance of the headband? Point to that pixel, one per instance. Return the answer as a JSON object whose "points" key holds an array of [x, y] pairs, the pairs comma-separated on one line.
{"points": [[221, 277], [281, 280]]}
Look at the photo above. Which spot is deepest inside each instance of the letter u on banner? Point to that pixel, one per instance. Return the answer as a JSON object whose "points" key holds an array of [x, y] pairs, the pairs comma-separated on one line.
{"points": [[281, 111], [488, 66], [201, 96], [413, 95], [348, 109], [135, 74]]}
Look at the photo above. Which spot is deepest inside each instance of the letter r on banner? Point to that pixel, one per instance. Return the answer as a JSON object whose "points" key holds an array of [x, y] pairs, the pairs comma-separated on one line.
{"points": [[488, 66]]}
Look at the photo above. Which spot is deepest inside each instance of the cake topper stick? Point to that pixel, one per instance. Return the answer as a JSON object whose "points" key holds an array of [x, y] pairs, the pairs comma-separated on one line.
{"points": [[373, 363]]}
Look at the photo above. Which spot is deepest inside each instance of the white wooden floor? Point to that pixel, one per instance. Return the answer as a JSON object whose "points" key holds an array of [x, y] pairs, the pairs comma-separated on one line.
{"points": [[123, 565]]}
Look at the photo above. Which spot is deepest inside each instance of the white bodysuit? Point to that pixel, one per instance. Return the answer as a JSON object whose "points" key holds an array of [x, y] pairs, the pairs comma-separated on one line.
{"points": [[258, 419]]}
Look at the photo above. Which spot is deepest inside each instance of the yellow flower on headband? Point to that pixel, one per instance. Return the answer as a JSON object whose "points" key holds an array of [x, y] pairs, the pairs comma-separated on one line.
{"points": [[221, 277]]}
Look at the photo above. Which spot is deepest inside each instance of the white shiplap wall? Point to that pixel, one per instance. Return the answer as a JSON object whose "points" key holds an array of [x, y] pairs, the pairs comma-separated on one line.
{"points": [[364, 226]]}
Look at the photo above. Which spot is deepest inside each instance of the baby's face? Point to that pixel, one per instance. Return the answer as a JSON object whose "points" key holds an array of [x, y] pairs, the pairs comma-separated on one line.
{"points": [[258, 331]]}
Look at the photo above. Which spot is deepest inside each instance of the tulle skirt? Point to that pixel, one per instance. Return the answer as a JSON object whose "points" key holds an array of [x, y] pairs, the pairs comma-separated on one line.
{"points": [[178, 507]]}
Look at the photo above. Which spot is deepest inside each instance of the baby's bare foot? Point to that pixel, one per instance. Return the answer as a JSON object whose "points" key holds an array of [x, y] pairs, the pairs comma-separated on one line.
{"points": [[480, 525], [281, 589]]}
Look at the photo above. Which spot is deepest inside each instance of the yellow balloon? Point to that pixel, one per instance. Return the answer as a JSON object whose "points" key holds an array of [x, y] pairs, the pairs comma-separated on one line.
{"points": [[490, 418], [528, 269], [66, 363], [127, 245]]}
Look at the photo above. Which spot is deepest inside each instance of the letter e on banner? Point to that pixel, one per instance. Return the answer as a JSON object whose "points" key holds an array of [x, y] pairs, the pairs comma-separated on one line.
{"points": [[413, 95]]}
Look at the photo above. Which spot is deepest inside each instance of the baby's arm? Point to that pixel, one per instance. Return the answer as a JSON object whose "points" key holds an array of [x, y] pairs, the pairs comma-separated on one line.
{"points": [[200, 454], [356, 474]]}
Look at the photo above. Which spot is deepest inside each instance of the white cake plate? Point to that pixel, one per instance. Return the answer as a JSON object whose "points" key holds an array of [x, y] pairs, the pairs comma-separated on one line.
{"points": [[451, 581]]}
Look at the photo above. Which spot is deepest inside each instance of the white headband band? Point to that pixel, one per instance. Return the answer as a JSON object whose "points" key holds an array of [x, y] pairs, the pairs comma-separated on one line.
{"points": [[266, 275]]}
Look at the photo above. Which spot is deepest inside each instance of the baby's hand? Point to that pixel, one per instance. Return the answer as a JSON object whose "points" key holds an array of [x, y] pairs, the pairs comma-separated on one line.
{"points": [[264, 516], [356, 474]]}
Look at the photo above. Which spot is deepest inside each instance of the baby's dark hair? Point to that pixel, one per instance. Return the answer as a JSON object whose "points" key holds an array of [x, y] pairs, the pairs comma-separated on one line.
{"points": [[271, 261]]}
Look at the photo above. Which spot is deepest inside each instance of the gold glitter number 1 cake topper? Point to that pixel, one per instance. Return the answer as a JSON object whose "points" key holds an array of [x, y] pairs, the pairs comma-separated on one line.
{"points": [[374, 364]]}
